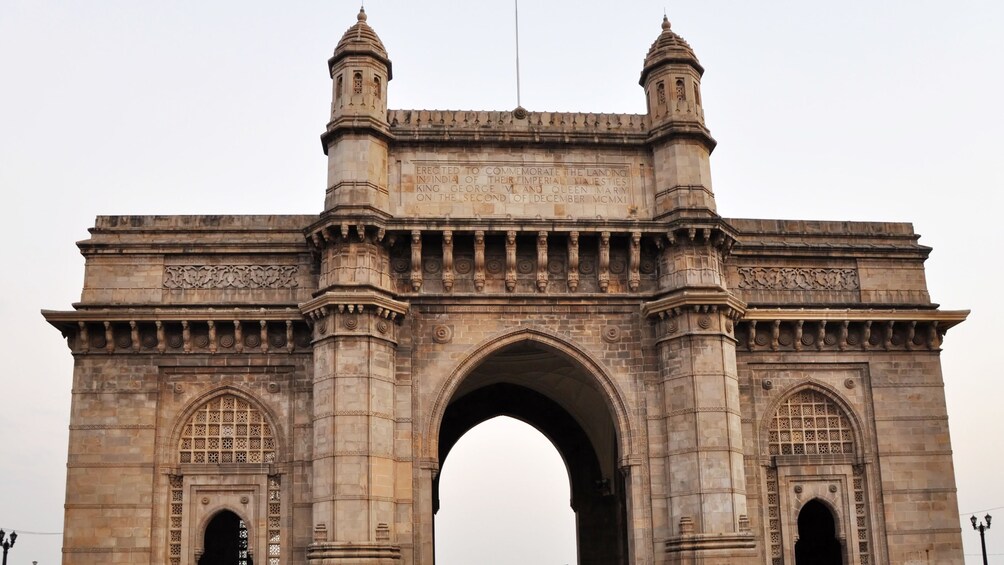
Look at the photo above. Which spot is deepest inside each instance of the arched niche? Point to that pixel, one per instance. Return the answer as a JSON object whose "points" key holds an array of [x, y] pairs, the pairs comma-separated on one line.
{"points": [[225, 456], [812, 441]]}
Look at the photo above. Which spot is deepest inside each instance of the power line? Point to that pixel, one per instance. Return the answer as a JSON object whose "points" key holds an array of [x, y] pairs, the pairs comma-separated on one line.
{"points": [[974, 512], [30, 533]]}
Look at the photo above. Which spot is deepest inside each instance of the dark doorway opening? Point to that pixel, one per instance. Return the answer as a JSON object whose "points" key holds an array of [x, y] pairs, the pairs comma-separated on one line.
{"points": [[226, 541], [817, 543]]}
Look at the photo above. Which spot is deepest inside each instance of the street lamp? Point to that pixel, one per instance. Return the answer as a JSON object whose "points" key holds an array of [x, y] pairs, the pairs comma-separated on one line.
{"points": [[980, 527], [7, 544]]}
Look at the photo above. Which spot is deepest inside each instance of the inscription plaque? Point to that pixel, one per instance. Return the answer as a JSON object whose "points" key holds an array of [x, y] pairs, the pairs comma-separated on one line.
{"points": [[489, 187]]}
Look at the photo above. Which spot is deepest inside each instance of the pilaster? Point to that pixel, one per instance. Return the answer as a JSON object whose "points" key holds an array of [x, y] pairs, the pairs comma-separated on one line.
{"points": [[695, 326], [355, 330]]}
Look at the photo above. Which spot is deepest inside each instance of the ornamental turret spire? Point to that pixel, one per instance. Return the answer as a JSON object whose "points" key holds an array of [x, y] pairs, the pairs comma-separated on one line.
{"points": [[672, 78], [360, 71], [681, 143]]}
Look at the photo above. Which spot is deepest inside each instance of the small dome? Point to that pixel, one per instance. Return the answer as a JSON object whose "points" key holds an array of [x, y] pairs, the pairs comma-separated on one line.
{"points": [[360, 39], [669, 48]]}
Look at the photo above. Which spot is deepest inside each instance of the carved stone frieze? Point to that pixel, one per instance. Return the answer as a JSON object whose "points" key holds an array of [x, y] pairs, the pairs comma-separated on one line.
{"points": [[846, 334], [230, 276], [797, 278]]}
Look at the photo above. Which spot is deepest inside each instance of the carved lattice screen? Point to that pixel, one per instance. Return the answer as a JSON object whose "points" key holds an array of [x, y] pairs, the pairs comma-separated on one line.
{"points": [[810, 423], [227, 429]]}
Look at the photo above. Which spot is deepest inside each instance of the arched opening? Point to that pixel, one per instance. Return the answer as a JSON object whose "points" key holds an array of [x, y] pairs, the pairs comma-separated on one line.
{"points": [[817, 543], [504, 489], [536, 384], [226, 541]]}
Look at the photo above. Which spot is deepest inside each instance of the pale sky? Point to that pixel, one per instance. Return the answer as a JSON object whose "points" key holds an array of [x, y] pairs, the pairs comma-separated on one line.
{"points": [[841, 111]]}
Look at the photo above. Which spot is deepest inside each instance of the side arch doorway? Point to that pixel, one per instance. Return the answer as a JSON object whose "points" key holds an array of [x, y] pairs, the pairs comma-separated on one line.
{"points": [[225, 541], [544, 388], [817, 542]]}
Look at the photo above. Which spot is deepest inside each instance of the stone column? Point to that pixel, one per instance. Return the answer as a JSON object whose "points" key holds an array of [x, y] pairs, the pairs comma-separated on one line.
{"points": [[354, 468], [697, 363]]}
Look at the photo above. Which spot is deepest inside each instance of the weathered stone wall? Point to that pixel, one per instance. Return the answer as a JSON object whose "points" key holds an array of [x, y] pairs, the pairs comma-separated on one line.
{"points": [[466, 181], [194, 260], [126, 417]]}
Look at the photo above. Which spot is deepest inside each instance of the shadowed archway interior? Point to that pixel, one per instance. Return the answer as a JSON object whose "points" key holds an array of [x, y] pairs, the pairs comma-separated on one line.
{"points": [[817, 543], [539, 386], [226, 541]]}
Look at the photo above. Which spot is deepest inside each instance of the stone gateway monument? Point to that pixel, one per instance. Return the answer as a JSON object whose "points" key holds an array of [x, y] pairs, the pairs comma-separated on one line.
{"points": [[723, 391]]}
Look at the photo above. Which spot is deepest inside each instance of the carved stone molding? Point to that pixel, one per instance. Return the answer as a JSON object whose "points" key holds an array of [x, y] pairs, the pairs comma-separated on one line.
{"points": [[353, 302], [185, 277], [797, 278], [697, 301], [202, 331], [842, 330]]}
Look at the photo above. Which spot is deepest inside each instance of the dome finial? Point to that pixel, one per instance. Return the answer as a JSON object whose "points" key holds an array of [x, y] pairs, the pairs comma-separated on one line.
{"points": [[362, 14], [665, 22]]}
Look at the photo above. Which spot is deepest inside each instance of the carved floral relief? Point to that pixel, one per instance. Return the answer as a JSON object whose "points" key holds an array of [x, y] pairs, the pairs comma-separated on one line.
{"points": [[230, 276], [797, 278]]}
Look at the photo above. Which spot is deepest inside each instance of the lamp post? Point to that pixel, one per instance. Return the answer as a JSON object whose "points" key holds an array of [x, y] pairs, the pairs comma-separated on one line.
{"points": [[982, 528], [7, 544]]}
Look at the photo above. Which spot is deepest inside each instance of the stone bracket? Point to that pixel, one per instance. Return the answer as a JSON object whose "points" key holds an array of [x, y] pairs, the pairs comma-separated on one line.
{"points": [[382, 306], [777, 329], [674, 304]]}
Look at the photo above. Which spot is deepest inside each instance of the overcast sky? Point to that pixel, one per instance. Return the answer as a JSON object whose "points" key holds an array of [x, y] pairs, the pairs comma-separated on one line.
{"points": [[843, 111]]}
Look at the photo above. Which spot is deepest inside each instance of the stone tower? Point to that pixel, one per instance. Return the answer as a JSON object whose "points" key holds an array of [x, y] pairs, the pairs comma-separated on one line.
{"points": [[358, 131], [681, 143], [722, 391]]}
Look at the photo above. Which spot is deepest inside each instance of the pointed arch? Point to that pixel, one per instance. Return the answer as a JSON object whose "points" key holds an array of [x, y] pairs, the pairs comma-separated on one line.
{"points": [[241, 545], [834, 511], [833, 427], [819, 541], [255, 414], [210, 516], [612, 394]]}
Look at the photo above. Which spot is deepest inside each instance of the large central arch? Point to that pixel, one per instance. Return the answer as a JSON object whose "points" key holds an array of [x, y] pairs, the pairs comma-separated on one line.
{"points": [[558, 389]]}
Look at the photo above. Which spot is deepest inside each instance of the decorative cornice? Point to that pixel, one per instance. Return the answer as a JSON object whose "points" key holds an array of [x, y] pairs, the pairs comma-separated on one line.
{"points": [[778, 329], [358, 301], [945, 318], [354, 124], [181, 330], [676, 303], [168, 314]]}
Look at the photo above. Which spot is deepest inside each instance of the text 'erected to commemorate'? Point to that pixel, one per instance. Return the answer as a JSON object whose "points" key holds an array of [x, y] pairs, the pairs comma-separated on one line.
{"points": [[522, 184]]}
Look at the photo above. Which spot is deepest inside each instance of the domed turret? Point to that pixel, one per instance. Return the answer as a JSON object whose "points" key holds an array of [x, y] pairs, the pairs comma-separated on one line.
{"points": [[360, 39], [360, 70], [355, 139], [672, 78], [681, 144]]}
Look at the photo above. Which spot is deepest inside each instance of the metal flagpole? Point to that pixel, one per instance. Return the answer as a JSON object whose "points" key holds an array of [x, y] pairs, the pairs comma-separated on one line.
{"points": [[518, 101]]}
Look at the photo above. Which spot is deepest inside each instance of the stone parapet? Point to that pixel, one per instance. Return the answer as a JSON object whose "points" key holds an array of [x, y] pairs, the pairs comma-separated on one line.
{"points": [[589, 128]]}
